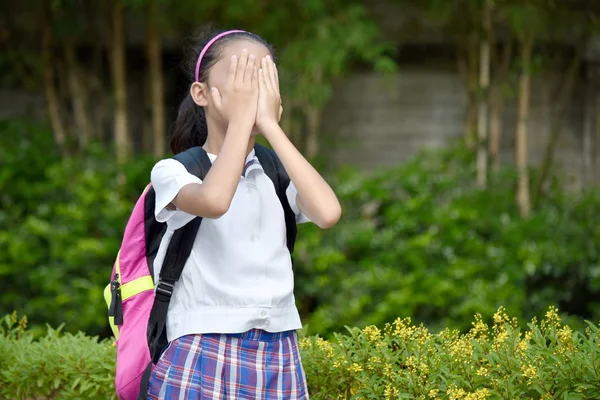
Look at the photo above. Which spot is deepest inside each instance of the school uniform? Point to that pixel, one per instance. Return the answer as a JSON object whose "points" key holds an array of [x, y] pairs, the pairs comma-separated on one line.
{"points": [[232, 319]]}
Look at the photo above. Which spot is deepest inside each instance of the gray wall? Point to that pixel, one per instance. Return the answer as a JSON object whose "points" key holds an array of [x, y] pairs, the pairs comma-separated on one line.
{"points": [[379, 121]]}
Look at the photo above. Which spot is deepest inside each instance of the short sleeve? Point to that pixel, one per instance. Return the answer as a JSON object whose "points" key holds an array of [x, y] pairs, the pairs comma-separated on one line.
{"points": [[168, 177], [292, 194]]}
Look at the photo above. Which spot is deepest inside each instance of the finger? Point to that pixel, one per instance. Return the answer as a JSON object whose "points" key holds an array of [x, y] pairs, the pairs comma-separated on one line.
{"points": [[272, 79], [232, 68], [261, 81], [255, 83], [276, 77], [241, 67], [216, 97], [249, 69], [266, 76], [280, 113]]}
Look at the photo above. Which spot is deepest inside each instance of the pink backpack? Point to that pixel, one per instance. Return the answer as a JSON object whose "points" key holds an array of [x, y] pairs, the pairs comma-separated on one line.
{"points": [[137, 306]]}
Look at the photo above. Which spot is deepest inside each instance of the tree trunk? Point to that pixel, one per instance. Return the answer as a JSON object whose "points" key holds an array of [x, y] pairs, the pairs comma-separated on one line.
{"points": [[313, 121], [122, 142], [483, 109], [497, 108], [50, 92], [566, 91], [156, 80], [83, 122], [597, 137], [522, 195], [469, 70]]}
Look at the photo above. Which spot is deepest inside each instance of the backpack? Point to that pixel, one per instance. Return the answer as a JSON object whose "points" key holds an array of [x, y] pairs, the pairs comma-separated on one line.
{"points": [[137, 305]]}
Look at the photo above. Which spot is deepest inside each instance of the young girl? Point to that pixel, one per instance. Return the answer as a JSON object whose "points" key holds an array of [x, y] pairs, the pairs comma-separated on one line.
{"points": [[232, 319]]}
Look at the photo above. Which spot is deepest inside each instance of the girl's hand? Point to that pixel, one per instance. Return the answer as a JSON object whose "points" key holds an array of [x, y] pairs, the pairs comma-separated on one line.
{"points": [[269, 100], [239, 99]]}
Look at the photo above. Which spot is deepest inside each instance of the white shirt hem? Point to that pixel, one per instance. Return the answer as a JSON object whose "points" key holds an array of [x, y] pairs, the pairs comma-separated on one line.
{"points": [[226, 320]]}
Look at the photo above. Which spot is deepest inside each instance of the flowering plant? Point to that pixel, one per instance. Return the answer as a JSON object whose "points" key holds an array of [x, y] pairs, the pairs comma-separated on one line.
{"points": [[546, 361]]}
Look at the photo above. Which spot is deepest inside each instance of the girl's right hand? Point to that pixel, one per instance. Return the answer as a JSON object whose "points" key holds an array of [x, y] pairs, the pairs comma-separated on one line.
{"points": [[239, 100]]}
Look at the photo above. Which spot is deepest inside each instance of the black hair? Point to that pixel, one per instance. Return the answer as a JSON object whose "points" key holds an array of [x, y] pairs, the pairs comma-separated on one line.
{"points": [[190, 129]]}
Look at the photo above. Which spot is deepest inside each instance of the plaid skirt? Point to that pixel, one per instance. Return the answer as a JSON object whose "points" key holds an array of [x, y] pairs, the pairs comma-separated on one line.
{"points": [[251, 365]]}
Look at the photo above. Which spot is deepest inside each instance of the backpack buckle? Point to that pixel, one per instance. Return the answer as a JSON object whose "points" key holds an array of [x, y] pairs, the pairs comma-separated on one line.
{"points": [[165, 288]]}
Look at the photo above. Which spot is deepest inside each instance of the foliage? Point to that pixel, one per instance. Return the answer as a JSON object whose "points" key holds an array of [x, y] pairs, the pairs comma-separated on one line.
{"points": [[423, 241], [417, 241], [546, 361], [62, 223], [57, 366]]}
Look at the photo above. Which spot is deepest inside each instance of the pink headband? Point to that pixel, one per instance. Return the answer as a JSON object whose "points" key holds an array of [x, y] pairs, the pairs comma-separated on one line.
{"points": [[205, 49]]}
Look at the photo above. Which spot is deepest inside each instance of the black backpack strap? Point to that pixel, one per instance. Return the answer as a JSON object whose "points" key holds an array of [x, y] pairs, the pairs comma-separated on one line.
{"points": [[274, 169], [180, 246]]}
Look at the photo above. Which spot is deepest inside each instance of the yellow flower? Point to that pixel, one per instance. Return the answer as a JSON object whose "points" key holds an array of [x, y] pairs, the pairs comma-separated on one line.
{"points": [[390, 392], [304, 344], [433, 393], [479, 394], [529, 371], [411, 362], [403, 329], [521, 347], [552, 318], [355, 368], [373, 363], [482, 371], [499, 340], [371, 332], [454, 393], [325, 346], [565, 335], [500, 316], [461, 348], [479, 327], [388, 371]]}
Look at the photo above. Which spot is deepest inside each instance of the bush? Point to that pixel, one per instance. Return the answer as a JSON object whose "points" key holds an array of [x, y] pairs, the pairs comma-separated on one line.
{"points": [[419, 240], [423, 241], [547, 361], [55, 366], [62, 221]]}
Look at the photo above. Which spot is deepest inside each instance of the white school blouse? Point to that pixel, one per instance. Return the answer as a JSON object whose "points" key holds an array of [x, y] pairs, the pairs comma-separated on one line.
{"points": [[239, 274]]}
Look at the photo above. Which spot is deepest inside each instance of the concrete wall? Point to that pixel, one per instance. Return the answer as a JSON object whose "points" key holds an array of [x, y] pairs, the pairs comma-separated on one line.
{"points": [[384, 120]]}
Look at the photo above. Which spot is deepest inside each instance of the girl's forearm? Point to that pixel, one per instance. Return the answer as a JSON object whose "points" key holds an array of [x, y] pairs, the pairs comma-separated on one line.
{"points": [[315, 199]]}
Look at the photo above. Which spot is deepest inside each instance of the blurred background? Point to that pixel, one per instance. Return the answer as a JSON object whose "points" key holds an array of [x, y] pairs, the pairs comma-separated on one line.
{"points": [[462, 137]]}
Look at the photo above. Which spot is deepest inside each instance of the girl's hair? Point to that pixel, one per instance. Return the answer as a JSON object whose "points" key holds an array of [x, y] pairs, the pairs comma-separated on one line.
{"points": [[190, 127]]}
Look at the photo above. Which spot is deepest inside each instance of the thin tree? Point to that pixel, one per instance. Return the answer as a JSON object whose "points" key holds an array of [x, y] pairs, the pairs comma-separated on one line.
{"points": [[118, 68], [155, 65], [484, 83]]}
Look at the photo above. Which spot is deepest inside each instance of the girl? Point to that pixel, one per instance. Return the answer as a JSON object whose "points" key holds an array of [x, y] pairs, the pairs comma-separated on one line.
{"points": [[232, 319]]}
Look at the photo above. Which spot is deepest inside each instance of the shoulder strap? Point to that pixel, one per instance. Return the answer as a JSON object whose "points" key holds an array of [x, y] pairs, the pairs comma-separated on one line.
{"points": [[276, 172], [197, 162]]}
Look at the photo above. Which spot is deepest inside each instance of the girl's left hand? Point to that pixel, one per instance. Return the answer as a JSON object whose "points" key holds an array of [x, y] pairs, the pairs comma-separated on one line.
{"points": [[269, 100]]}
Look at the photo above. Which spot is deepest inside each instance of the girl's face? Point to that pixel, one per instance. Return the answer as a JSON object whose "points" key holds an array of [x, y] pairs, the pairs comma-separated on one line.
{"points": [[217, 77]]}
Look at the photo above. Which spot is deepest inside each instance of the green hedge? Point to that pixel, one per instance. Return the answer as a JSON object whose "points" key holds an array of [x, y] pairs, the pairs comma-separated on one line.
{"points": [[546, 361], [419, 240]]}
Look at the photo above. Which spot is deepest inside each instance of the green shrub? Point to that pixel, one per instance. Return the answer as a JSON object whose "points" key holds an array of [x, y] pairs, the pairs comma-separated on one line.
{"points": [[419, 240], [423, 241], [55, 366], [62, 221], [547, 361]]}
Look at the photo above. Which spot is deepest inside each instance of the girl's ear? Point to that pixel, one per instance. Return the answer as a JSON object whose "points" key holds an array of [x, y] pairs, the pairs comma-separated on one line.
{"points": [[199, 92]]}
